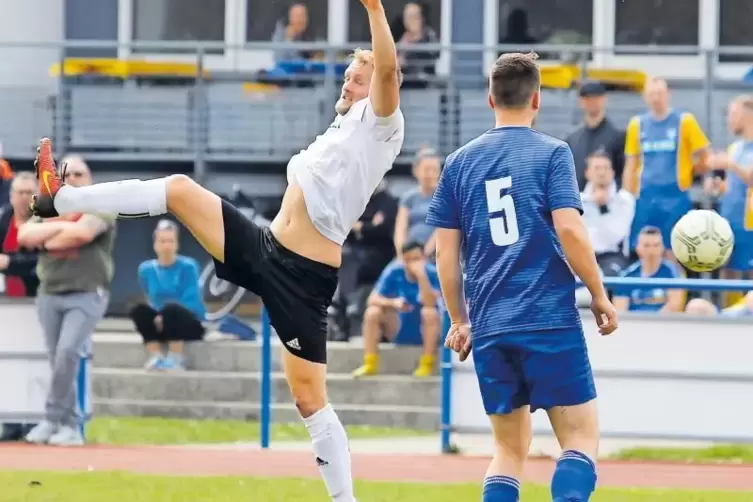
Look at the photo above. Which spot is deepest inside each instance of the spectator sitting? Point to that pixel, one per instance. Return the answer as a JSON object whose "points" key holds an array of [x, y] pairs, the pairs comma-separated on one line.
{"points": [[295, 30], [175, 309], [651, 264], [417, 63], [403, 308], [701, 307], [410, 225], [607, 214], [17, 263]]}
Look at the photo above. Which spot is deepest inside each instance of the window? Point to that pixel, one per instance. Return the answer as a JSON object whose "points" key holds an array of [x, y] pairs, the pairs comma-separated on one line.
{"points": [[656, 22], [179, 20], [735, 18], [358, 22], [529, 22], [263, 17]]}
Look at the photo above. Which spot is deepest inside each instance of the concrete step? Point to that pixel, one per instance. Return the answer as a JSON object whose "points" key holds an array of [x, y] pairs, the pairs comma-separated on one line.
{"points": [[111, 383], [125, 350], [410, 417]]}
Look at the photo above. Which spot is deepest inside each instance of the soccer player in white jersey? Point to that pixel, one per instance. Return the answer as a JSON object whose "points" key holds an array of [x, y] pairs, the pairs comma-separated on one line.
{"points": [[293, 264]]}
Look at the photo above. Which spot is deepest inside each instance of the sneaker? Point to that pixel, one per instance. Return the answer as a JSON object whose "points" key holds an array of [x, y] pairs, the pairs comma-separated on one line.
{"points": [[172, 364], [42, 433], [425, 367], [153, 363], [49, 182], [67, 436]]}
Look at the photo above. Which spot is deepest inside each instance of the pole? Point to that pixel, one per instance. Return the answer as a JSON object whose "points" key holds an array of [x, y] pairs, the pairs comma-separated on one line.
{"points": [[266, 378]]}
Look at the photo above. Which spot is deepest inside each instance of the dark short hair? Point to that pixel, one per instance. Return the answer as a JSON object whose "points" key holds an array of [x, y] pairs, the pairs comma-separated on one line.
{"points": [[515, 78], [650, 230], [410, 246]]}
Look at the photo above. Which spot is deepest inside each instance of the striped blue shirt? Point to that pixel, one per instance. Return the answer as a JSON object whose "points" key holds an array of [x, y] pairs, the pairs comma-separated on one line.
{"points": [[500, 190]]}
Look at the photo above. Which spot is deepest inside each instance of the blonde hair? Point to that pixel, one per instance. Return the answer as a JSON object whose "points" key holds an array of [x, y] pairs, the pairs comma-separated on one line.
{"points": [[363, 57]]}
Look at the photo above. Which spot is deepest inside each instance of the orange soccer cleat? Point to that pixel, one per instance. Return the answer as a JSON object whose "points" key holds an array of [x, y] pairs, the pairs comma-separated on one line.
{"points": [[49, 182]]}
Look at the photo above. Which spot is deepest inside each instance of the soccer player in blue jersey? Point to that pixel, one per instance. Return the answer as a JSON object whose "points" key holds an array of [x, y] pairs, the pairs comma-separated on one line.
{"points": [[510, 200]]}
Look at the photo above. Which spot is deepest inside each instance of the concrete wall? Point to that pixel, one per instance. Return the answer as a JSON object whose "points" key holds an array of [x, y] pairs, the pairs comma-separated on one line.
{"points": [[26, 22]]}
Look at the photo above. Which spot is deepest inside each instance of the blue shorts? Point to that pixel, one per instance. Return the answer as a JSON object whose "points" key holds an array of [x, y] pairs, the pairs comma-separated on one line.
{"points": [[663, 214], [543, 369], [741, 259]]}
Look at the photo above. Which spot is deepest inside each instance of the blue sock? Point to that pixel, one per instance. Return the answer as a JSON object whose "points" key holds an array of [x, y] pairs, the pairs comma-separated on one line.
{"points": [[501, 489], [574, 478]]}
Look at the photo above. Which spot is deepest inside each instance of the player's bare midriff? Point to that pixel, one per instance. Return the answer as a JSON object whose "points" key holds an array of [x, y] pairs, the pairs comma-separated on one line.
{"points": [[293, 228]]}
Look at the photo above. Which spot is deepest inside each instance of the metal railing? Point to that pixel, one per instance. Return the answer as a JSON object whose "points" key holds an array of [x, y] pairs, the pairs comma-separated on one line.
{"points": [[229, 112]]}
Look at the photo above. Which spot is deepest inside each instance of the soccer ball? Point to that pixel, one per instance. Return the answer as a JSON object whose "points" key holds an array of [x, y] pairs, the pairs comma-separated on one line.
{"points": [[702, 240]]}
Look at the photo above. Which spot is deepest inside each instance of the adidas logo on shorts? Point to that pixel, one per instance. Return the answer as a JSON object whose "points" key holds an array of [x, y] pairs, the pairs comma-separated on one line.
{"points": [[293, 344]]}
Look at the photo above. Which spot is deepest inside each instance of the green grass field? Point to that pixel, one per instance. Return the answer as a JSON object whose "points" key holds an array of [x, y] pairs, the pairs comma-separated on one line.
{"points": [[162, 431], [120, 487], [735, 454]]}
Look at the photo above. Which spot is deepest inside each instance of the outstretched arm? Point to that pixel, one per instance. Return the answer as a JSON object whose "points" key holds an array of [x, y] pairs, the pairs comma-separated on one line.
{"points": [[385, 83]]}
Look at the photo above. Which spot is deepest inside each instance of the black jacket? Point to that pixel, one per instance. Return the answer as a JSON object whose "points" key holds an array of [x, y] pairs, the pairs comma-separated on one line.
{"points": [[605, 137], [375, 243], [23, 263]]}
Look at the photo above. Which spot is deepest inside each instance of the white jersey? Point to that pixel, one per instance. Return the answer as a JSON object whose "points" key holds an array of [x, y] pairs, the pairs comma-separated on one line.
{"points": [[342, 168]]}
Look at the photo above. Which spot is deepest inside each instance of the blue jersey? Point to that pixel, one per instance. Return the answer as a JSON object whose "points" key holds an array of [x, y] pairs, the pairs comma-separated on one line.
{"points": [[176, 283], [737, 202], [647, 300], [500, 190], [394, 282]]}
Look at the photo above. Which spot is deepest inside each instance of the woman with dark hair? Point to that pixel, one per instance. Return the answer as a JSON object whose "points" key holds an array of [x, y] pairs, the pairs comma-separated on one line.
{"points": [[174, 308]]}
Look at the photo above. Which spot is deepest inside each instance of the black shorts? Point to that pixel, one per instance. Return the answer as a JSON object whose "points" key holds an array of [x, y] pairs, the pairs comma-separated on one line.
{"points": [[296, 291]]}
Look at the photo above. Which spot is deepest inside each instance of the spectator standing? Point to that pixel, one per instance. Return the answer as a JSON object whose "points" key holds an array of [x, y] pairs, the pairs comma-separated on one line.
{"points": [[664, 149], [6, 178], [403, 308], [607, 214], [75, 270], [596, 134], [17, 263], [419, 64], [174, 309], [651, 264], [736, 203], [410, 225]]}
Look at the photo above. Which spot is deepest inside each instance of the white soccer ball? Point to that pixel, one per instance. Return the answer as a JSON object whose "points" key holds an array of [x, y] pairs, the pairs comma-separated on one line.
{"points": [[702, 240]]}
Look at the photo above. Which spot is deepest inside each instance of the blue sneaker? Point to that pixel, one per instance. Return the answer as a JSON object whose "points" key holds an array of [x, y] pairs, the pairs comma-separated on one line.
{"points": [[172, 363]]}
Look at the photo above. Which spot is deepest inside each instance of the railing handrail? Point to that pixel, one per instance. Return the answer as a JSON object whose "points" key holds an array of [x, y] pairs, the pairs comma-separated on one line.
{"points": [[690, 284]]}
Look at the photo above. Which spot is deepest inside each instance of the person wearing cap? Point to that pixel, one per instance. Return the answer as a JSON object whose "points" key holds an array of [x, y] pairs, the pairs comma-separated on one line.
{"points": [[596, 133], [174, 310]]}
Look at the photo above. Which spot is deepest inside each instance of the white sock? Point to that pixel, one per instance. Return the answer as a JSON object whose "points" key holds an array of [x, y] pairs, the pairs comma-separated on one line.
{"points": [[126, 199], [332, 453]]}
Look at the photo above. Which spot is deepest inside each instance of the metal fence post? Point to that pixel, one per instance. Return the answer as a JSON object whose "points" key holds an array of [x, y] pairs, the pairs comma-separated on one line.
{"points": [[266, 379], [200, 120], [61, 109]]}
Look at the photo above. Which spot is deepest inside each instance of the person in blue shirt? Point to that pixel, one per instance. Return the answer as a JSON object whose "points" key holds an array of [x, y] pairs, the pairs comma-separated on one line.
{"points": [[509, 199], [651, 264], [404, 307], [174, 310]]}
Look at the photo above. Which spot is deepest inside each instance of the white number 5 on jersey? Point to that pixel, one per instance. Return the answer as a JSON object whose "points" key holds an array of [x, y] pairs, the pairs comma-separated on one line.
{"points": [[504, 228]]}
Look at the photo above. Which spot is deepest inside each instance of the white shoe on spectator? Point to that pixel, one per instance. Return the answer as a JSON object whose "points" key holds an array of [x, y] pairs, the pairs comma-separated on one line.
{"points": [[42, 433], [153, 363], [67, 436]]}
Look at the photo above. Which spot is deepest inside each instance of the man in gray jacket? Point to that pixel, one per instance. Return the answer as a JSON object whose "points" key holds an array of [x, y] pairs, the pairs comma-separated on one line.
{"points": [[75, 270]]}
